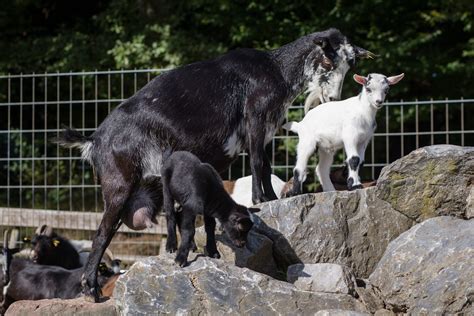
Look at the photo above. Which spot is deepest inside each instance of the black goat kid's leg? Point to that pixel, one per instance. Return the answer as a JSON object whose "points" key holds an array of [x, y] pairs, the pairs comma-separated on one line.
{"points": [[115, 197], [187, 228], [170, 212], [267, 178], [210, 227], [193, 246]]}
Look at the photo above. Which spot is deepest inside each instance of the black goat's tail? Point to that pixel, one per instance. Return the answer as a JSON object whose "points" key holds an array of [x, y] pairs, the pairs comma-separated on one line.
{"points": [[70, 138]]}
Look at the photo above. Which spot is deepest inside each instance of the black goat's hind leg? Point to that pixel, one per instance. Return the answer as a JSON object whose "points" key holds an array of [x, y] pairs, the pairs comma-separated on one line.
{"points": [[115, 197]]}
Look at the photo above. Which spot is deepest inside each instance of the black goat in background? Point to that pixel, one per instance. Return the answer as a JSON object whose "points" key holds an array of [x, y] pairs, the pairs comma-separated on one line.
{"points": [[49, 248]]}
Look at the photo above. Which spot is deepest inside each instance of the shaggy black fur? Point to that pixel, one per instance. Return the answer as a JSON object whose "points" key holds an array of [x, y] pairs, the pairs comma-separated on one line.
{"points": [[214, 109], [198, 189]]}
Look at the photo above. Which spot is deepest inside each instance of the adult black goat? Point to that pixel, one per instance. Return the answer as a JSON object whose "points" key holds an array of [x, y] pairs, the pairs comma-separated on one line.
{"points": [[213, 109]]}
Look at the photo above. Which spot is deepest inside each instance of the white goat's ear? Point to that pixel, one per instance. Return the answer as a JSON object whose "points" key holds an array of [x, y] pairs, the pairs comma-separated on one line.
{"points": [[360, 79], [395, 79]]}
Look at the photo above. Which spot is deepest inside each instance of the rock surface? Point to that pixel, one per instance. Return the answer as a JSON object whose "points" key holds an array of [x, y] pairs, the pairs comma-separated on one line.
{"points": [[257, 254], [339, 312], [349, 228], [429, 269], [322, 277], [430, 181], [78, 306], [212, 287]]}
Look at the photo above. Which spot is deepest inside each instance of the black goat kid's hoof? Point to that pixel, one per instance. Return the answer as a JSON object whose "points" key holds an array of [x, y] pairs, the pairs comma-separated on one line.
{"points": [[171, 245], [212, 254], [181, 261], [194, 248]]}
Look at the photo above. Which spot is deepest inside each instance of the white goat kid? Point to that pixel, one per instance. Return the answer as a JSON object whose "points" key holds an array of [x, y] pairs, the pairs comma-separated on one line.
{"points": [[347, 124]]}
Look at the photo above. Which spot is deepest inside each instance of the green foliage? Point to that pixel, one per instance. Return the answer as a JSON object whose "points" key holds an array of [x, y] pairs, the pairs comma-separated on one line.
{"points": [[431, 41]]}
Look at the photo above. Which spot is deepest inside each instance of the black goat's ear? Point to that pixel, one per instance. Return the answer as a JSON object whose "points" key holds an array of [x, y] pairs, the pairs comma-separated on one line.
{"points": [[254, 210], [321, 41], [244, 224]]}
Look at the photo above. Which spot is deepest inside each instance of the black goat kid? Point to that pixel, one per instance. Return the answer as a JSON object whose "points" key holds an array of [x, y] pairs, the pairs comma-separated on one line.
{"points": [[214, 109], [198, 189]]}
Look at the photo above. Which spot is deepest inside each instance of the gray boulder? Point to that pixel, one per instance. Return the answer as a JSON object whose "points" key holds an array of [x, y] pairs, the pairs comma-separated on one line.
{"points": [[429, 269], [257, 254], [53, 307], [429, 182], [349, 228], [156, 285], [322, 277], [339, 312]]}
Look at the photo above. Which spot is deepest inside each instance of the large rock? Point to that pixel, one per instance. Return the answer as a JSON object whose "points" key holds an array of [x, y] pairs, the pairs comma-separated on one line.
{"points": [[322, 277], [257, 254], [429, 269], [53, 307], [156, 285], [349, 228], [429, 182]]}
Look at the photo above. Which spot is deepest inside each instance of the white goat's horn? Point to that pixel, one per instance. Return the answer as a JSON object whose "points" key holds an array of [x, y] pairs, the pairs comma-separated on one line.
{"points": [[40, 229], [48, 231], [5, 238], [108, 257], [13, 238]]}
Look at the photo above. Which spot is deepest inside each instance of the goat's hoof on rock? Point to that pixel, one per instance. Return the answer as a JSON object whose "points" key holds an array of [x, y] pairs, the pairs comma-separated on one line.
{"points": [[212, 254], [92, 295], [355, 187], [171, 247], [182, 262], [194, 248]]}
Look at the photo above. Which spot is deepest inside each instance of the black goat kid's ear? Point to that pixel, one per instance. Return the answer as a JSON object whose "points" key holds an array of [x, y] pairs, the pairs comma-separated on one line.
{"points": [[254, 210], [395, 79], [244, 224], [360, 79]]}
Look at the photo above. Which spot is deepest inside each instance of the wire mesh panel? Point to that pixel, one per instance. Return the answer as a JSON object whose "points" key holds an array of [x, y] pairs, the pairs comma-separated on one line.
{"points": [[43, 183]]}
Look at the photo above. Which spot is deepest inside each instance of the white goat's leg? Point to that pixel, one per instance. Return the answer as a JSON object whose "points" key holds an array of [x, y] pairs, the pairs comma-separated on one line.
{"points": [[304, 150], [353, 162], [323, 169]]}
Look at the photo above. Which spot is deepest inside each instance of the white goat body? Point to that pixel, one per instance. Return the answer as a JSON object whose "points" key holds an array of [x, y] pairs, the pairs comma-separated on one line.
{"points": [[347, 124]]}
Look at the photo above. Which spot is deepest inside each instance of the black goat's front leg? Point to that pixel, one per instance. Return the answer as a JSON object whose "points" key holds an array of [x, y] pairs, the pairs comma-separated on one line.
{"points": [[267, 178], [211, 247], [187, 224], [257, 153]]}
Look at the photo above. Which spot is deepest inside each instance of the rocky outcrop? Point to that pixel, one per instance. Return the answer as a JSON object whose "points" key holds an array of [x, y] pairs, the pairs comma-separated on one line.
{"points": [[213, 287], [257, 254], [429, 269], [416, 259], [430, 181], [54, 307], [322, 277], [349, 228]]}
